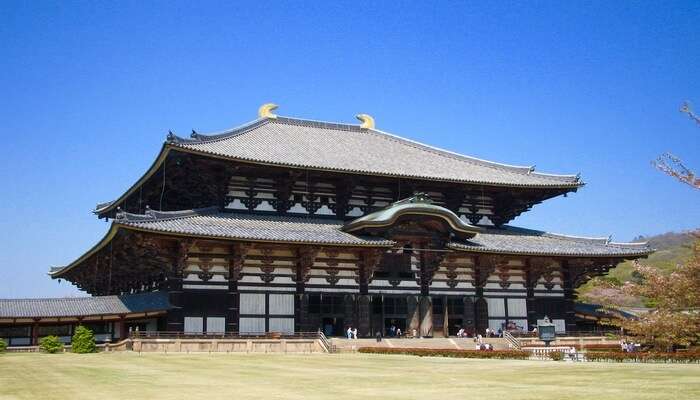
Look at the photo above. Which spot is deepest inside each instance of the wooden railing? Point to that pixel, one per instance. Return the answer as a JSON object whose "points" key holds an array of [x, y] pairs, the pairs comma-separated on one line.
{"points": [[513, 342]]}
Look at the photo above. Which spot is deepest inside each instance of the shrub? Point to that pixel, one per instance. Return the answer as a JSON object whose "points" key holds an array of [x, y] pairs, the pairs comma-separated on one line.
{"points": [[556, 355], [83, 340], [3, 346], [497, 354], [51, 344], [644, 357]]}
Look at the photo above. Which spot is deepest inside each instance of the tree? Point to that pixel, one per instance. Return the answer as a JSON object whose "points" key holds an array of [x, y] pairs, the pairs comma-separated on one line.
{"points": [[3, 346], [83, 340], [674, 166], [675, 317], [51, 344]]}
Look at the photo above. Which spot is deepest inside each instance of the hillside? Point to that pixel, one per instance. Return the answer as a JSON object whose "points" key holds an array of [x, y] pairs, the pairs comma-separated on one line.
{"points": [[671, 249]]}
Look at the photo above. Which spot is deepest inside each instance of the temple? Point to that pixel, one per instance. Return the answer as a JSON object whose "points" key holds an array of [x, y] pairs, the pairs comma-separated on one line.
{"points": [[292, 225]]}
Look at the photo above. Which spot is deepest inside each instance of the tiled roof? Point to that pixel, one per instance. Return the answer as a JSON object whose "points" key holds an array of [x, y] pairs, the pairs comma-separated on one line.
{"points": [[209, 222], [349, 148], [84, 306], [512, 240]]}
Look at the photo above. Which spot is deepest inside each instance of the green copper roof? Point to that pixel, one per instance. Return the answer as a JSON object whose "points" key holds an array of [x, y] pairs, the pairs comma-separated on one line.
{"points": [[419, 204]]}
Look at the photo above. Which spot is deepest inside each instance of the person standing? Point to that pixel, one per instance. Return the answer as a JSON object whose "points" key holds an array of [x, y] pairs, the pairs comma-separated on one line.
{"points": [[349, 332], [354, 333]]}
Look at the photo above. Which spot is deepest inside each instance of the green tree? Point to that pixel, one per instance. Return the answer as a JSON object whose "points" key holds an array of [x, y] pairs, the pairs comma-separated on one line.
{"points": [[83, 340], [3, 346], [51, 344], [674, 319]]}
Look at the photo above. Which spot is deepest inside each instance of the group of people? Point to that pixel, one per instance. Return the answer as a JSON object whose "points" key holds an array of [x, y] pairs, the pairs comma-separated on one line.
{"points": [[351, 333], [629, 347]]}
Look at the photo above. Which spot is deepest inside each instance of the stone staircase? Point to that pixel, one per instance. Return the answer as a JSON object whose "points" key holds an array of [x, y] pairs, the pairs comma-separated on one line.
{"points": [[352, 345]]}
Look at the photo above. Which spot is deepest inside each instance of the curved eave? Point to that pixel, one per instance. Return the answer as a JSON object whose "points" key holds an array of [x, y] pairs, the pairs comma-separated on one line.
{"points": [[55, 274], [622, 255], [111, 206], [395, 213]]}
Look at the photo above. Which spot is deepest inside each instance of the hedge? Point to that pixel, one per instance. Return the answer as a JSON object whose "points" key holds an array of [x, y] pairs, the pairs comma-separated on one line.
{"points": [[51, 344], [3, 345], [83, 341], [645, 357], [499, 354]]}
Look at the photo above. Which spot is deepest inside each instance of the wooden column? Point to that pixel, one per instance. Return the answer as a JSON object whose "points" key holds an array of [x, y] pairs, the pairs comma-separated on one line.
{"points": [[426, 314], [175, 318], [413, 314], [35, 333], [238, 253], [122, 328], [363, 315]]}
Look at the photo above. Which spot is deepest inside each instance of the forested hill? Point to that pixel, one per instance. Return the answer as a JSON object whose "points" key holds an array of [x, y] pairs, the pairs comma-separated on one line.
{"points": [[671, 249]]}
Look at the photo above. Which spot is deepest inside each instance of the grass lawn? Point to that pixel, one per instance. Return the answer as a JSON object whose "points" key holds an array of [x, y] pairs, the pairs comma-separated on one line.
{"points": [[338, 376]]}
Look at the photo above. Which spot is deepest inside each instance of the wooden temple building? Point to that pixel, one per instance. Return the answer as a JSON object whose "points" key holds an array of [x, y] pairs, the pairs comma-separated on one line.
{"points": [[291, 225]]}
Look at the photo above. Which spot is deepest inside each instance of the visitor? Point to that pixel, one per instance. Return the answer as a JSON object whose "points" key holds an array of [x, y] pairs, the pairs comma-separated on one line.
{"points": [[572, 353], [623, 346], [392, 331], [349, 332], [500, 333], [379, 336], [534, 331], [488, 332], [415, 333], [460, 333], [354, 333], [398, 332], [479, 339]]}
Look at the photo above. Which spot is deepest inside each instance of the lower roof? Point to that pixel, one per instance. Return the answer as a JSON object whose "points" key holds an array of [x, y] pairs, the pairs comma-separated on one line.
{"points": [[84, 306], [210, 223]]}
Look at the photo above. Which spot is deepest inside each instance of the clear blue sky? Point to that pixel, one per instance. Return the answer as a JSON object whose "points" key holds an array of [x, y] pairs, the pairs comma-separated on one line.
{"points": [[90, 89]]}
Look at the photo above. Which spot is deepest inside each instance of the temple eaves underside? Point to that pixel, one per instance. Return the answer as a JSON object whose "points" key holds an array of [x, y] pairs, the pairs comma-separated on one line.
{"points": [[140, 250]]}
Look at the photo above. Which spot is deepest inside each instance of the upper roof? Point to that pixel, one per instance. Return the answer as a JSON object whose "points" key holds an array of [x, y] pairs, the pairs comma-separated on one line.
{"points": [[84, 306], [300, 143]]}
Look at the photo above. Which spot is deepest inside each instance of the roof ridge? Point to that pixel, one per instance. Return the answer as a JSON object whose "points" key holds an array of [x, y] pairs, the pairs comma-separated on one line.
{"points": [[59, 298], [601, 240], [153, 215], [242, 129], [463, 157]]}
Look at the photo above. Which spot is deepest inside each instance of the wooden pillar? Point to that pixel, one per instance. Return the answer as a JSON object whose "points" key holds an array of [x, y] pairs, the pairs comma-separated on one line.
{"points": [[413, 314], [35, 333], [363, 315], [426, 314], [530, 284], [121, 326], [175, 318], [468, 318], [568, 285]]}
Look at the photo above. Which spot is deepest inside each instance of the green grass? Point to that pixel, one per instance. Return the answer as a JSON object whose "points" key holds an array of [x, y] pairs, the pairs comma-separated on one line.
{"points": [[343, 376]]}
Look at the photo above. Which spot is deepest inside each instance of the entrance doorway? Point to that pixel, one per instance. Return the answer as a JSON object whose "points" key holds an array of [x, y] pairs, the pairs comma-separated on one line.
{"points": [[333, 327], [396, 323]]}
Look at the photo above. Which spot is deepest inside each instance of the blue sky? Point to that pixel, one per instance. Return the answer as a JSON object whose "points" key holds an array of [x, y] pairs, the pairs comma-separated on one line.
{"points": [[90, 90]]}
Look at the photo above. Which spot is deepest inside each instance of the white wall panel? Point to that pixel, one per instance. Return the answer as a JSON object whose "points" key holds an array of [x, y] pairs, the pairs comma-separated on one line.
{"points": [[194, 324], [281, 304], [496, 324], [251, 325], [252, 303], [216, 324], [517, 308], [497, 307], [284, 325]]}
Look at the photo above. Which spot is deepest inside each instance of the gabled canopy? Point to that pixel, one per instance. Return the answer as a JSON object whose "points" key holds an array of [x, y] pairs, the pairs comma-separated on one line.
{"points": [[418, 205]]}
